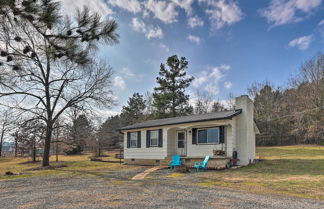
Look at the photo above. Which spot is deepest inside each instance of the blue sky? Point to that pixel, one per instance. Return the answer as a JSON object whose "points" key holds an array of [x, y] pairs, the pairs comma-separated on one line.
{"points": [[229, 44]]}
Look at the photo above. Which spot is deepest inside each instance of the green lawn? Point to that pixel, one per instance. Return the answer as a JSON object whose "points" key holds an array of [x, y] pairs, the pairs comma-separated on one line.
{"points": [[290, 170]]}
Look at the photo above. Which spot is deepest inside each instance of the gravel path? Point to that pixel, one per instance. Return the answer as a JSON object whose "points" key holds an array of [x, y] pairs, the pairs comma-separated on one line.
{"points": [[116, 190]]}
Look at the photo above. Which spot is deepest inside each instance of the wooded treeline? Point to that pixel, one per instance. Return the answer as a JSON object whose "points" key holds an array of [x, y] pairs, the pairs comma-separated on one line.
{"points": [[292, 115]]}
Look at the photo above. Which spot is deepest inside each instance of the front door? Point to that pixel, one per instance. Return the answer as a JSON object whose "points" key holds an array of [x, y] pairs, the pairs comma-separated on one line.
{"points": [[181, 145]]}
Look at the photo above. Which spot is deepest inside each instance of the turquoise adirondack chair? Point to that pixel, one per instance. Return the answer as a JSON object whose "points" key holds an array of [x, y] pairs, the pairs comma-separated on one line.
{"points": [[176, 161], [202, 165]]}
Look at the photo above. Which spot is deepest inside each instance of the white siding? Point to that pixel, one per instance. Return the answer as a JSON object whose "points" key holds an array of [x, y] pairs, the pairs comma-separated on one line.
{"points": [[144, 152]]}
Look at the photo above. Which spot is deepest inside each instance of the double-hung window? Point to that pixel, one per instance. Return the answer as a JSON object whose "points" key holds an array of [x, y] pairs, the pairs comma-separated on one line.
{"points": [[154, 138], [133, 139], [208, 135]]}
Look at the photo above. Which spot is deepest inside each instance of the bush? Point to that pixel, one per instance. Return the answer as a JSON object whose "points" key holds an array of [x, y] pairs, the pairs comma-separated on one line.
{"points": [[73, 149]]}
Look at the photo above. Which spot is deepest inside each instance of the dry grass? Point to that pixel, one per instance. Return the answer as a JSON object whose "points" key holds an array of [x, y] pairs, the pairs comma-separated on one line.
{"points": [[75, 165], [290, 170], [175, 175]]}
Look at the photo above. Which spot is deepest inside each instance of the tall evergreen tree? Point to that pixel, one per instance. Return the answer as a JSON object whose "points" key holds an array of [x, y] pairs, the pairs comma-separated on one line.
{"points": [[134, 111], [80, 132], [170, 99]]}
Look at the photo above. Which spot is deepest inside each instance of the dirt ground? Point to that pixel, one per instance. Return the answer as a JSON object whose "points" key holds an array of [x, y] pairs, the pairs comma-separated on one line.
{"points": [[162, 189]]}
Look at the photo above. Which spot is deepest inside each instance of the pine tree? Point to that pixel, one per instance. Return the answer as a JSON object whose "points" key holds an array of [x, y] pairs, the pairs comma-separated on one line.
{"points": [[80, 132], [134, 111], [170, 99]]}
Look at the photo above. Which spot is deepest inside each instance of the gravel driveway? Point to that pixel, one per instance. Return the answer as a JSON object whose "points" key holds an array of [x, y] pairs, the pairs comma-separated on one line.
{"points": [[116, 190]]}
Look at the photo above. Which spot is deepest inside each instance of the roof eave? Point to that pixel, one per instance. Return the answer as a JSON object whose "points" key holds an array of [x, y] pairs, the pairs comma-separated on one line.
{"points": [[237, 112]]}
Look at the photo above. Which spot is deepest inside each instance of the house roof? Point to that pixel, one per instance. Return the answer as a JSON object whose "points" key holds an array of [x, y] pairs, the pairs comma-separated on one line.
{"points": [[185, 119]]}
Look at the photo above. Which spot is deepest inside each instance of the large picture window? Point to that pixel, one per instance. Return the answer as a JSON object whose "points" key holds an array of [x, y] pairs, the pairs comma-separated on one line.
{"points": [[154, 138], [133, 139], [208, 136]]}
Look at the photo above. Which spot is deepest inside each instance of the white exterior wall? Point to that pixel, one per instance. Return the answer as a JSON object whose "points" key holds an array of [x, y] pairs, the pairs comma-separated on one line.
{"points": [[245, 136], [144, 152]]}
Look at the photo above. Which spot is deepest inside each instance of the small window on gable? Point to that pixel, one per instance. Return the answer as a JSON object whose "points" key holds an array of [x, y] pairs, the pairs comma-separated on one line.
{"points": [[208, 136], [133, 139], [154, 138]]}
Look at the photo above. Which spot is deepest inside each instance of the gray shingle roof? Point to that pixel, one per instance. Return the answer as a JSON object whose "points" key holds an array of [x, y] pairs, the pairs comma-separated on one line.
{"points": [[185, 119]]}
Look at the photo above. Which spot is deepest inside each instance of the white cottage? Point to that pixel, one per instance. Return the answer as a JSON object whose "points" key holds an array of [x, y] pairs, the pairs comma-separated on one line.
{"points": [[219, 135]]}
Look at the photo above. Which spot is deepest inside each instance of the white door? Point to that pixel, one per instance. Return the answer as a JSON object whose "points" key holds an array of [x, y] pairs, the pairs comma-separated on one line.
{"points": [[181, 143]]}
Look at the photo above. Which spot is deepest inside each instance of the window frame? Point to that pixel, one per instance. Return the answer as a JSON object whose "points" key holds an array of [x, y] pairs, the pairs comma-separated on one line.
{"points": [[130, 139], [208, 143], [157, 139]]}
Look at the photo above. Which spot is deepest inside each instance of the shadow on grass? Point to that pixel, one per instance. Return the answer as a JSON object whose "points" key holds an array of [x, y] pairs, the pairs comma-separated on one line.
{"points": [[30, 162]]}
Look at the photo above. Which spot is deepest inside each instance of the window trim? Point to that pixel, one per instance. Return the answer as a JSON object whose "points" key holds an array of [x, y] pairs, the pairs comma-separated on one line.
{"points": [[157, 144], [130, 139], [208, 143]]}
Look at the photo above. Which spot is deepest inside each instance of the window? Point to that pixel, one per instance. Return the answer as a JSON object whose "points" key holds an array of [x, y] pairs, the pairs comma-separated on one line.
{"points": [[154, 138], [181, 138], [208, 136], [133, 139]]}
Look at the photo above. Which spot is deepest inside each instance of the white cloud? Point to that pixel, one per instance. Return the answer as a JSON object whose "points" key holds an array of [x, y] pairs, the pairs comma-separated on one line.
{"points": [[162, 10], [281, 12], [209, 79], [165, 47], [320, 28], [154, 32], [200, 80], [195, 22], [138, 25], [228, 84], [321, 23], [119, 82], [133, 6], [223, 12], [127, 72], [70, 7], [224, 67], [184, 4], [302, 42], [150, 31], [194, 39], [212, 88]]}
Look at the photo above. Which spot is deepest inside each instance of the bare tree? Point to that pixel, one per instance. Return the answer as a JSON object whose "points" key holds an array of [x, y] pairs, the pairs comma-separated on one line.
{"points": [[8, 119], [47, 63], [203, 102], [4, 126], [217, 107]]}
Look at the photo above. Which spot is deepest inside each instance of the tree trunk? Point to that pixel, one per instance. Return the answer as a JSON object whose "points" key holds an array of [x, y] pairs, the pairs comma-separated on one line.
{"points": [[34, 150], [16, 147], [56, 150], [1, 141], [47, 146], [99, 148]]}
